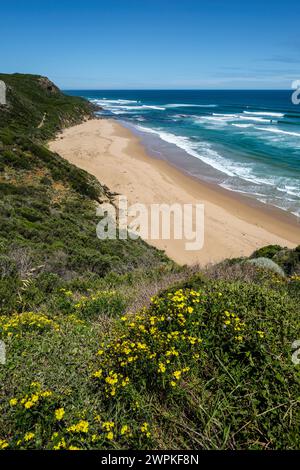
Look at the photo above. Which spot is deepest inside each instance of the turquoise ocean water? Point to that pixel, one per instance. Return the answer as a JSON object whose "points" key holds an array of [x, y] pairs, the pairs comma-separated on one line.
{"points": [[244, 141]]}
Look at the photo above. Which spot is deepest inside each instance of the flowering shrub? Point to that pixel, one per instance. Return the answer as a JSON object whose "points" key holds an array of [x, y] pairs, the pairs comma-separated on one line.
{"points": [[109, 303], [19, 323], [105, 302], [154, 346], [160, 345], [44, 422]]}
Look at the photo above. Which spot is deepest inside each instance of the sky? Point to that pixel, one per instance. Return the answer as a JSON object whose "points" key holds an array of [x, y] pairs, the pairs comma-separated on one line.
{"points": [[153, 44]]}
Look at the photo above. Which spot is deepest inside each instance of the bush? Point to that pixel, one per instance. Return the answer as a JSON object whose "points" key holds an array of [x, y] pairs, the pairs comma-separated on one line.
{"points": [[8, 267], [103, 303], [9, 284], [37, 290], [289, 260], [239, 334], [99, 304], [266, 252], [9, 287], [266, 263]]}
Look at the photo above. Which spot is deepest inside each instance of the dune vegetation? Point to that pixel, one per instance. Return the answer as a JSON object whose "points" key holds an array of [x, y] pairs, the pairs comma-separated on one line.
{"points": [[111, 345]]}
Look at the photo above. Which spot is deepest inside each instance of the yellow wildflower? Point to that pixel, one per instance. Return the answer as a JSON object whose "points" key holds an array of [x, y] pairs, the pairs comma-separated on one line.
{"points": [[81, 426], [161, 367], [59, 414], [29, 404], [239, 338], [29, 436], [124, 429], [97, 374], [145, 427], [177, 374], [108, 425], [35, 398], [3, 444], [35, 385], [46, 394], [60, 445]]}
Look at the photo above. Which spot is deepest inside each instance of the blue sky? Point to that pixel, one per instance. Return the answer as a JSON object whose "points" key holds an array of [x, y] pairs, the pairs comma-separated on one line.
{"points": [[96, 44]]}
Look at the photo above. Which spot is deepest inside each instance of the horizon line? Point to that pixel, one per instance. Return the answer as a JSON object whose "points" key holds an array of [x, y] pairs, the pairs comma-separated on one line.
{"points": [[177, 89]]}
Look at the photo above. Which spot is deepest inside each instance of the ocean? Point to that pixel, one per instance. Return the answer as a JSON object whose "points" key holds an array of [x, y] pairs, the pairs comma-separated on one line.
{"points": [[244, 141]]}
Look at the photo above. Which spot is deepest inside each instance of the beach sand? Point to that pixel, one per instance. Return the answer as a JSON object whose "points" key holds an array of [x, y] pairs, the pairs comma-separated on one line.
{"points": [[234, 225]]}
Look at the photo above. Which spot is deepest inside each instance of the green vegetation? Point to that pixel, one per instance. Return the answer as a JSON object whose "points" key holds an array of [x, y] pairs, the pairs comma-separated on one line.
{"points": [[207, 365], [36, 107], [267, 263], [109, 344], [288, 260]]}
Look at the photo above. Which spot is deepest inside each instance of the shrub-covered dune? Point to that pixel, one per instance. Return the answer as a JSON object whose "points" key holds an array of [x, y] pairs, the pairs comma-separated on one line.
{"points": [[110, 345]]}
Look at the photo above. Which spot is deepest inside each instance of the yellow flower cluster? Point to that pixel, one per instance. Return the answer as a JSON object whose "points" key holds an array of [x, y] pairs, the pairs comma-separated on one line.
{"points": [[67, 293], [33, 399], [234, 323], [145, 429], [60, 445], [261, 334], [156, 338], [28, 321], [3, 444], [125, 430], [63, 435], [74, 320], [113, 381], [29, 436], [81, 427], [59, 414], [102, 295]]}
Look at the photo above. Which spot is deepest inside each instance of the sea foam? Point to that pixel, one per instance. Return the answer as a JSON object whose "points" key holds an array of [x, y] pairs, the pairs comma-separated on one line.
{"points": [[262, 113], [278, 131], [190, 105]]}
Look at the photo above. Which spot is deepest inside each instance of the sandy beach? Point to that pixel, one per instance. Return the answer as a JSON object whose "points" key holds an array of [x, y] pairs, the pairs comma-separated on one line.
{"points": [[234, 225]]}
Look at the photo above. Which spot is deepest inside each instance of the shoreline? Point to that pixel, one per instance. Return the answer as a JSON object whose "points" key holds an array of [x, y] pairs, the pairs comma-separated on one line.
{"points": [[237, 199], [235, 225]]}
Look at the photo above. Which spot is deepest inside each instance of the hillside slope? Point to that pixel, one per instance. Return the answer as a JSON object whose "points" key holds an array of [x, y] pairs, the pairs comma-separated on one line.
{"points": [[48, 206], [38, 108]]}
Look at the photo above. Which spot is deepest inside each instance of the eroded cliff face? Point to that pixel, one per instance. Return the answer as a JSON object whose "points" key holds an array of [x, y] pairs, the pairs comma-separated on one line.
{"points": [[48, 86]]}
